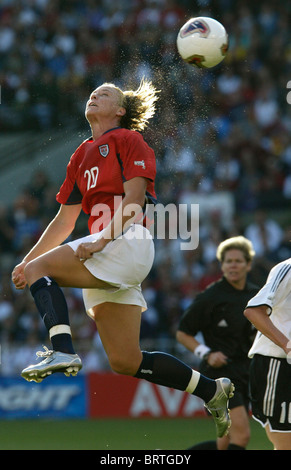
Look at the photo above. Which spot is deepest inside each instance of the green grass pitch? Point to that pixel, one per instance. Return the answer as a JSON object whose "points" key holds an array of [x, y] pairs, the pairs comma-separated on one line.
{"points": [[115, 434]]}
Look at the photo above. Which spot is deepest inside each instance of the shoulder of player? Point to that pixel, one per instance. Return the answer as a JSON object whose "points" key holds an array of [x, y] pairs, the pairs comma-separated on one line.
{"points": [[124, 137], [131, 135], [81, 147], [78, 155], [279, 273], [283, 266]]}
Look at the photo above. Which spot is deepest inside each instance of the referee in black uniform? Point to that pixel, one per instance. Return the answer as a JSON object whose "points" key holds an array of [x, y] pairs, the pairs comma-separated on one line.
{"points": [[217, 313]]}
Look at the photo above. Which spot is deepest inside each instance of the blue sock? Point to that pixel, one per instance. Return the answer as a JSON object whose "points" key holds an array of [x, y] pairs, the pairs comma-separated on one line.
{"points": [[205, 389], [164, 369], [52, 306]]}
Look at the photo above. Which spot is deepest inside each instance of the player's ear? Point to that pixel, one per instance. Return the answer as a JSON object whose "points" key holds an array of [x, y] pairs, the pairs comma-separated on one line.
{"points": [[121, 111]]}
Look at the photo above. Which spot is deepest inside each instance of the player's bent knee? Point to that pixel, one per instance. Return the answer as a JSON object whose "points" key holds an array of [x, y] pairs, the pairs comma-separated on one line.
{"points": [[29, 271], [36, 269], [122, 366]]}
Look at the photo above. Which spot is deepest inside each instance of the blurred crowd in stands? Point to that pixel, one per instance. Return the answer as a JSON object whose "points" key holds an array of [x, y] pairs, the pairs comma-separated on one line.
{"points": [[221, 137]]}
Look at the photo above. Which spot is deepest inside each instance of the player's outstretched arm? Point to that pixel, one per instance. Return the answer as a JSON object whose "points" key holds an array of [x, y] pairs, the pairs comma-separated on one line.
{"points": [[56, 232]]}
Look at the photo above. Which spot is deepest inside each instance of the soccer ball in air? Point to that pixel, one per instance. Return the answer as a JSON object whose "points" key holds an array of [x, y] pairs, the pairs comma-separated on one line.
{"points": [[202, 42]]}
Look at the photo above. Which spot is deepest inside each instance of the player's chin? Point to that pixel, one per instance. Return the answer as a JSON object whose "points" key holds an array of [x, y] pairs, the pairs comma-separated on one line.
{"points": [[90, 111]]}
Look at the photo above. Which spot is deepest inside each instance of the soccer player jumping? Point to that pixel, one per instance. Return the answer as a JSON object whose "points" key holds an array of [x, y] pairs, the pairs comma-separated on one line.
{"points": [[109, 264]]}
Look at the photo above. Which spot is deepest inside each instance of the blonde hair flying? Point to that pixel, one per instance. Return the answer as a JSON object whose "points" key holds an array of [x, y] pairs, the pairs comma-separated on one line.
{"points": [[139, 105]]}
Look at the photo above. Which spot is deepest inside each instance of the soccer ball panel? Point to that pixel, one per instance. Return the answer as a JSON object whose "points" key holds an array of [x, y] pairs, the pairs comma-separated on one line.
{"points": [[202, 42]]}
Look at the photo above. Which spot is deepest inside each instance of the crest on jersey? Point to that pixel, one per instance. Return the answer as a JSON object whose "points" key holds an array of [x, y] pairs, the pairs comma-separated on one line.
{"points": [[104, 150], [196, 26]]}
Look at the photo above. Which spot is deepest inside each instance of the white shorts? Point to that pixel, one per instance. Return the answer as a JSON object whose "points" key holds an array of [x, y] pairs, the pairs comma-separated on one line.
{"points": [[124, 263]]}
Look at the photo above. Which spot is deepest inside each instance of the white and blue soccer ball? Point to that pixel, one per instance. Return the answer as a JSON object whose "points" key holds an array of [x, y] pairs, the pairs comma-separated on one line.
{"points": [[202, 42]]}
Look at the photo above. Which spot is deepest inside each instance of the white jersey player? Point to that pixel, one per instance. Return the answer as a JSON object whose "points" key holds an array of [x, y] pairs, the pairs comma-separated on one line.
{"points": [[270, 376]]}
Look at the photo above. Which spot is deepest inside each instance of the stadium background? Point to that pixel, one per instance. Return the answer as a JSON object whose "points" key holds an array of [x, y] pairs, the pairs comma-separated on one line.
{"points": [[222, 140]]}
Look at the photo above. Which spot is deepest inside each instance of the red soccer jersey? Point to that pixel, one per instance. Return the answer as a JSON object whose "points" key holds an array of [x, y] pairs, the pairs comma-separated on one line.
{"points": [[97, 170]]}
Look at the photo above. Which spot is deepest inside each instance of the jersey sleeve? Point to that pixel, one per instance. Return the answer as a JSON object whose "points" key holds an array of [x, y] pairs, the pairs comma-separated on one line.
{"points": [[136, 158], [275, 289], [69, 192], [193, 319]]}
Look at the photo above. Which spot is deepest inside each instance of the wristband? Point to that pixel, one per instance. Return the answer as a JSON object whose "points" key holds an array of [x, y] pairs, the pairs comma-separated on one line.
{"points": [[201, 351]]}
